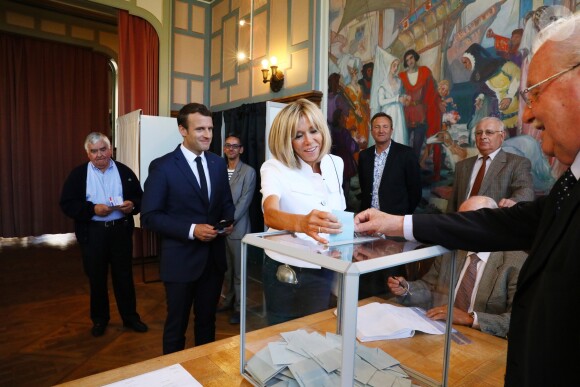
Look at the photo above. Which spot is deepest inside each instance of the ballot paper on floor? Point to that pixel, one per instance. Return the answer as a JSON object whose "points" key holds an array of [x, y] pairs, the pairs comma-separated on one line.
{"points": [[376, 321]]}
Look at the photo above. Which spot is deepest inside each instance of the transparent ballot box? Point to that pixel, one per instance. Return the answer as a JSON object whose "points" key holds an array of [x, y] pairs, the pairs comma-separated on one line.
{"points": [[299, 306]]}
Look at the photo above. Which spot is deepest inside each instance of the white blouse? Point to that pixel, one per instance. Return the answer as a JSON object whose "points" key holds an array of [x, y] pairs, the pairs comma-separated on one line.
{"points": [[301, 191]]}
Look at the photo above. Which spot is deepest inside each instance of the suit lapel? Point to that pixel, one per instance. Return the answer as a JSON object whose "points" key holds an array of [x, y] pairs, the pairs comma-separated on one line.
{"points": [[461, 258], [214, 174], [185, 169], [236, 175], [370, 171], [464, 187], [495, 167], [549, 232], [389, 162], [488, 279]]}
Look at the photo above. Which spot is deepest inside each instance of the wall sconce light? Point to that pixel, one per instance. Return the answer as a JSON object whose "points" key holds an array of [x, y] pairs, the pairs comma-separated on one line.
{"points": [[277, 78]]}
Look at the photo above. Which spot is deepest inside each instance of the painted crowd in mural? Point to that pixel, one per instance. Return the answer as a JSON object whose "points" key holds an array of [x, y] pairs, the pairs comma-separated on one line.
{"points": [[437, 67]]}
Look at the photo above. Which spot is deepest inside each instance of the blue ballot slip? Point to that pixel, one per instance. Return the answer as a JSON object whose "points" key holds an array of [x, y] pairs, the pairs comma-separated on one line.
{"points": [[347, 236], [347, 220]]}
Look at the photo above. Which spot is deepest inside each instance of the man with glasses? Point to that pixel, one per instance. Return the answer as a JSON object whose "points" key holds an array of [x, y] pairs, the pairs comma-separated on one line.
{"points": [[503, 176], [242, 183], [543, 348]]}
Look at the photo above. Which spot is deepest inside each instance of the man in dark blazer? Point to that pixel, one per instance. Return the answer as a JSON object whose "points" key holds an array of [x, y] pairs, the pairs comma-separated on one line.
{"points": [[388, 172], [507, 177], [543, 348], [242, 184], [102, 196], [186, 195], [390, 181], [490, 309]]}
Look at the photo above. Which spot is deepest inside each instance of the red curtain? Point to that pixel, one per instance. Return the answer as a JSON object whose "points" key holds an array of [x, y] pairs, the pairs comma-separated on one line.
{"points": [[51, 96], [138, 65], [139, 89]]}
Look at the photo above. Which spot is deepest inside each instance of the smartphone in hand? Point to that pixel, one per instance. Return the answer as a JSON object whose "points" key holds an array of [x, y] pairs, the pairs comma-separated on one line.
{"points": [[223, 224]]}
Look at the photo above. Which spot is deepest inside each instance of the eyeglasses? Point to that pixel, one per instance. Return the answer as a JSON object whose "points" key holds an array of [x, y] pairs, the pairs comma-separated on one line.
{"points": [[529, 99], [488, 133], [232, 146]]}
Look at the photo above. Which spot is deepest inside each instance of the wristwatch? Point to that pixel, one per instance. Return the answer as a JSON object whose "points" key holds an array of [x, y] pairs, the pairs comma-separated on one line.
{"points": [[472, 315]]}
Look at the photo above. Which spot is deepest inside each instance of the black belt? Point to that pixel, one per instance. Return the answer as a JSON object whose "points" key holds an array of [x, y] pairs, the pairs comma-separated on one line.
{"points": [[110, 223]]}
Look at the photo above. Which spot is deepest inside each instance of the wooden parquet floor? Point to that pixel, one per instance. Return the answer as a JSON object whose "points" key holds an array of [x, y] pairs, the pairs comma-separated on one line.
{"points": [[45, 327]]}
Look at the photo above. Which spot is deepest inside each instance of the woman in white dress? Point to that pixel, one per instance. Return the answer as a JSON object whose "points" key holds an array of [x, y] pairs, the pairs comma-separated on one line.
{"points": [[387, 94]]}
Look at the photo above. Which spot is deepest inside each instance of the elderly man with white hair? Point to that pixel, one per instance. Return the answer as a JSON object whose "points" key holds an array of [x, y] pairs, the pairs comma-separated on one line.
{"points": [[542, 351]]}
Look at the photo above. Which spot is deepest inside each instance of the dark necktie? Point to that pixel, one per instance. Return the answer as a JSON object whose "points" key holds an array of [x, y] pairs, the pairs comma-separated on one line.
{"points": [[564, 186], [202, 179], [463, 296], [479, 177]]}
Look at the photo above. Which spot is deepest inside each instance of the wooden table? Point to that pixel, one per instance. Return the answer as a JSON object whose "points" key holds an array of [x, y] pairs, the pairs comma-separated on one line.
{"points": [[480, 363]]}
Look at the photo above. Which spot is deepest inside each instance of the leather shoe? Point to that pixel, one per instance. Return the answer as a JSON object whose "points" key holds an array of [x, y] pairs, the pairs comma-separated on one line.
{"points": [[136, 325], [235, 318], [98, 329]]}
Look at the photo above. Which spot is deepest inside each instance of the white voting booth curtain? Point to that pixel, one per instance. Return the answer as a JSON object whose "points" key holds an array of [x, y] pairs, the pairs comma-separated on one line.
{"points": [[140, 139], [127, 140]]}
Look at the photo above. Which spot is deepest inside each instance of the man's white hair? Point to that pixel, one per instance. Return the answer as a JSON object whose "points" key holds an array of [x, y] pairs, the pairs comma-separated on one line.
{"points": [[565, 34]]}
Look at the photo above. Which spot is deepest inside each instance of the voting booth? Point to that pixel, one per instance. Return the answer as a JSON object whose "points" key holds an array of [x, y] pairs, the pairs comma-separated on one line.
{"points": [[140, 139]]}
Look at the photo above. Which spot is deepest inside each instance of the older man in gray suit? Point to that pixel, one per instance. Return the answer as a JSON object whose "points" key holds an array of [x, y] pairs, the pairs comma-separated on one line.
{"points": [[488, 302], [503, 176], [242, 184]]}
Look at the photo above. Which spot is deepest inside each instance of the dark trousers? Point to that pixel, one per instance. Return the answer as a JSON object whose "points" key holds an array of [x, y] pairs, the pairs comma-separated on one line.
{"points": [[203, 294], [110, 246], [232, 281], [287, 301]]}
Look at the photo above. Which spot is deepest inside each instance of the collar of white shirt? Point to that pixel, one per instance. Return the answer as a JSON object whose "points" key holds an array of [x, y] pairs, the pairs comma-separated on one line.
{"points": [[190, 156], [484, 256], [491, 155]]}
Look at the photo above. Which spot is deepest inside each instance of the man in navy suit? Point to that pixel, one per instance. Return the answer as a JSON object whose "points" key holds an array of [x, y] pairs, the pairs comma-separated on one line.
{"points": [[542, 349], [186, 194]]}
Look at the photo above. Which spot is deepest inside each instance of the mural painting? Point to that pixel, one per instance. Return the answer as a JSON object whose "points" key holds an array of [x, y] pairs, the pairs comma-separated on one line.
{"points": [[437, 67]]}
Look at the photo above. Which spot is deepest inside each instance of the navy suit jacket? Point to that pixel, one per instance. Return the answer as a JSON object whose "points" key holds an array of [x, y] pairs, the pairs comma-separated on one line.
{"points": [[172, 202], [400, 188], [543, 340]]}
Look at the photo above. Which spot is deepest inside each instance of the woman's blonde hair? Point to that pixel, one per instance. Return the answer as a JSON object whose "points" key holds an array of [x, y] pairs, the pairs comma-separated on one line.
{"points": [[284, 130]]}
